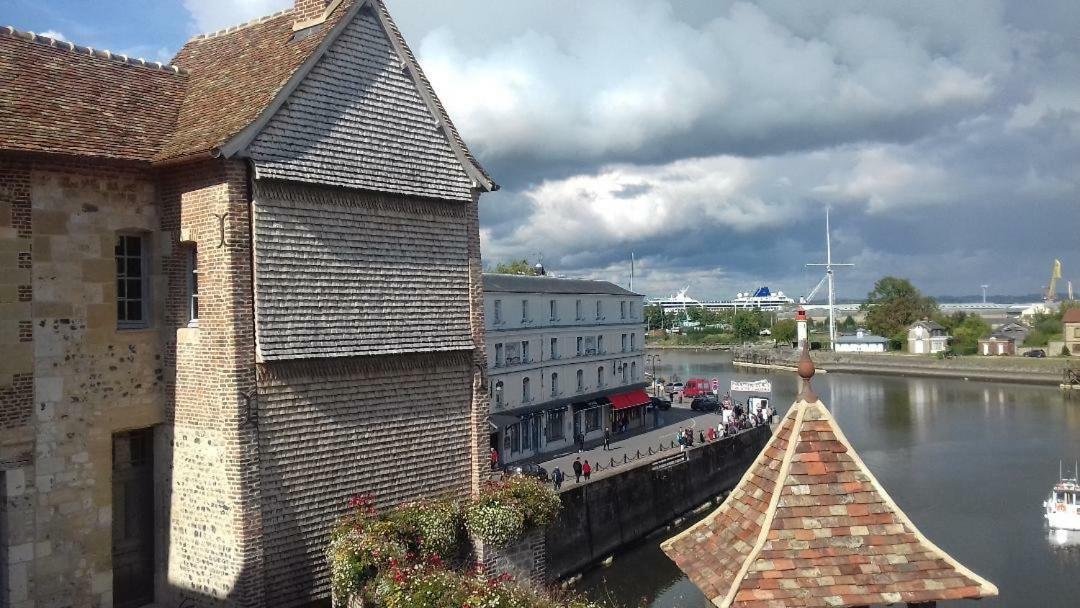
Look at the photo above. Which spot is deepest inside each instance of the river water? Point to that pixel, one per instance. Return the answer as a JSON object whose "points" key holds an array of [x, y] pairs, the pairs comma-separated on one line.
{"points": [[969, 462]]}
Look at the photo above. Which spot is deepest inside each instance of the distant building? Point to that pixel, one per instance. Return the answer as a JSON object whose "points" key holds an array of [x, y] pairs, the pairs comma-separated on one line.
{"points": [[861, 341], [1004, 340], [927, 337], [565, 356], [1071, 324]]}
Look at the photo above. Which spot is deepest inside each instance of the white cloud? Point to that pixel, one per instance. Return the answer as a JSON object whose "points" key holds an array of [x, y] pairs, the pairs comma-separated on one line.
{"points": [[55, 35], [212, 15]]}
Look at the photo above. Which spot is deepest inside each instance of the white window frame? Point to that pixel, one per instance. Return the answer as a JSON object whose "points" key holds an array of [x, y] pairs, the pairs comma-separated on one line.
{"points": [[193, 286]]}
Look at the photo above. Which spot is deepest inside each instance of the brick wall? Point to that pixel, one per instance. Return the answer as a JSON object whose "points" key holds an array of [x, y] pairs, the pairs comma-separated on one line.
{"points": [[16, 334], [394, 426], [213, 550]]}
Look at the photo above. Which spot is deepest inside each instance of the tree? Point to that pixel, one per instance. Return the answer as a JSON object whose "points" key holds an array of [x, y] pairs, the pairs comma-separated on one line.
{"points": [[966, 335], [746, 325], [894, 304], [521, 266], [784, 331], [848, 325]]}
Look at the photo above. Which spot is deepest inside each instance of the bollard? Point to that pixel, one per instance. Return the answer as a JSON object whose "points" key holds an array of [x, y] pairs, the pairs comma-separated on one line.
{"points": [[612, 462], [638, 454], [625, 459], [650, 451]]}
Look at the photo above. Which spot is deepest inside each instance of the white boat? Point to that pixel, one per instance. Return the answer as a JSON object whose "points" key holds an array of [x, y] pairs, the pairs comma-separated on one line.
{"points": [[1063, 506]]}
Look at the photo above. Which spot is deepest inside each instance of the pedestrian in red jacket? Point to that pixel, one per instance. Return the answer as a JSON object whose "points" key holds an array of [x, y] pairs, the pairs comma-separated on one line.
{"points": [[586, 470]]}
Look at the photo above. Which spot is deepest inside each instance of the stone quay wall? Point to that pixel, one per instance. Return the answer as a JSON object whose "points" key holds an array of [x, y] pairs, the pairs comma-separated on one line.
{"points": [[602, 516]]}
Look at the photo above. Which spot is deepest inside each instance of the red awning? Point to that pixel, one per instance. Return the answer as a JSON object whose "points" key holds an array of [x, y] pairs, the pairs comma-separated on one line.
{"points": [[622, 401]]}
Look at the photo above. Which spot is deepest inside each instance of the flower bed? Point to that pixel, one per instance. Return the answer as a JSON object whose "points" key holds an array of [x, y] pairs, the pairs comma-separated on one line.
{"points": [[415, 555]]}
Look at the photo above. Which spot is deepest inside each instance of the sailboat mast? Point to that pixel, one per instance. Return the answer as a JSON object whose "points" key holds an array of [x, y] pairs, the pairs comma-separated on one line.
{"points": [[829, 273]]}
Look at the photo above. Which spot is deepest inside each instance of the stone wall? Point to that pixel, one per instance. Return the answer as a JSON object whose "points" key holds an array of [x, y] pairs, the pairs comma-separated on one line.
{"points": [[89, 379], [524, 560], [212, 544], [602, 516]]}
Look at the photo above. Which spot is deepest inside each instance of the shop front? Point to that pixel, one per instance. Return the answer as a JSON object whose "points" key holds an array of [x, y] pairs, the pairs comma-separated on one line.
{"points": [[628, 410]]}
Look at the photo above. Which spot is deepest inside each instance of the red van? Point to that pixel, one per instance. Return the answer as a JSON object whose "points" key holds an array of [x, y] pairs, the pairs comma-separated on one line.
{"points": [[697, 387]]}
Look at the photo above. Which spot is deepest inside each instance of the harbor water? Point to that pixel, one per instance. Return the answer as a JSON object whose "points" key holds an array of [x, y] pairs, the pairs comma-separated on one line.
{"points": [[969, 462]]}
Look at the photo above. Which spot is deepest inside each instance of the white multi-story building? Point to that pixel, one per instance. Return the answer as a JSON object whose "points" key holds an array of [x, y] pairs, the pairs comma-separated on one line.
{"points": [[565, 356]]}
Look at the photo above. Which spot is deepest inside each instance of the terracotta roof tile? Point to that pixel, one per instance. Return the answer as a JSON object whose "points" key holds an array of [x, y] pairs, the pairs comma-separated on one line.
{"points": [[826, 535], [60, 98]]}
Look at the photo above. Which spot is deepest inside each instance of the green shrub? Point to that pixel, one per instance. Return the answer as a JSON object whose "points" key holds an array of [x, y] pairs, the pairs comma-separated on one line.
{"points": [[430, 527]]}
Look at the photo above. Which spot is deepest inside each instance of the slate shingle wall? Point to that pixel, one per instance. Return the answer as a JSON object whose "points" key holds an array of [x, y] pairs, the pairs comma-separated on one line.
{"points": [[342, 273], [357, 120], [396, 427]]}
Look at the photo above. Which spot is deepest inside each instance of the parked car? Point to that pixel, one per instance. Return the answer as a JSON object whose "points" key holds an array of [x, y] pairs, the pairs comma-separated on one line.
{"points": [[1038, 353], [705, 404], [660, 404], [677, 387]]}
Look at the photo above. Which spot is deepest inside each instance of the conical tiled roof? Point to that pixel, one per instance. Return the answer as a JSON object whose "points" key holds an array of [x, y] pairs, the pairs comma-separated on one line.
{"points": [[809, 525]]}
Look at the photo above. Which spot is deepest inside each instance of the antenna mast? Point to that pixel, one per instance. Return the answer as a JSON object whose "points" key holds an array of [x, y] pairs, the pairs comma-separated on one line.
{"points": [[829, 275], [631, 271]]}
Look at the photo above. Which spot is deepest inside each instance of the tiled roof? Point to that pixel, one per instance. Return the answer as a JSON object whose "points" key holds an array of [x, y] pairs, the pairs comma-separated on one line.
{"points": [[517, 283], [931, 325], [809, 525], [1071, 316], [235, 74], [60, 98]]}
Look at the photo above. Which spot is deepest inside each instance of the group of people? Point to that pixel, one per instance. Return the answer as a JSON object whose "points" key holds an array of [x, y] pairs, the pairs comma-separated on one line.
{"points": [[734, 418], [581, 469]]}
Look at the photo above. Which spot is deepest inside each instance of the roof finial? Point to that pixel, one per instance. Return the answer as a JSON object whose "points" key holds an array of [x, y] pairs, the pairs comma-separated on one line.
{"points": [[806, 372]]}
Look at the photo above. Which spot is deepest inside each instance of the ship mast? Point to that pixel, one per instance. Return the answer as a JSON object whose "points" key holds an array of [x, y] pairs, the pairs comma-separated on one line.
{"points": [[829, 275]]}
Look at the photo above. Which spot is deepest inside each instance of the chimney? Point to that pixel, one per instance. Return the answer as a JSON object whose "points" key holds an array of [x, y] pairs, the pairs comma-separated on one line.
{"points": [[308, 12]]}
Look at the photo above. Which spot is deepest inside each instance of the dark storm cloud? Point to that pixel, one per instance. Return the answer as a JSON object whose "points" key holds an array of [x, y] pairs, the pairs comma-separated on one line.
{"points": [[708, 136]]}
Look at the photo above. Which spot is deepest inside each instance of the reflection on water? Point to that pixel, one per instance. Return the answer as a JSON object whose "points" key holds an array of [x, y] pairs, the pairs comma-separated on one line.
{"points": [[970, 462]]}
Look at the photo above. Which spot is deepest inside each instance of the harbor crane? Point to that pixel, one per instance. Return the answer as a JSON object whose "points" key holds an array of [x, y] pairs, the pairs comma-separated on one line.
{"points": [[829, 264]]}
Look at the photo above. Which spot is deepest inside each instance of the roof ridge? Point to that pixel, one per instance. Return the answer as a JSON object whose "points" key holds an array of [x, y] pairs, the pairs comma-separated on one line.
{"points": [[240, 26], [90, 51]]}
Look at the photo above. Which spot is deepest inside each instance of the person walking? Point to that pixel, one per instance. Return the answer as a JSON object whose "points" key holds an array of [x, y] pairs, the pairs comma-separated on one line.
{"points": [[681, 438], [577, 470], [581, 442], [557, 478], [607, 439], [586, 470], [494, 459]]}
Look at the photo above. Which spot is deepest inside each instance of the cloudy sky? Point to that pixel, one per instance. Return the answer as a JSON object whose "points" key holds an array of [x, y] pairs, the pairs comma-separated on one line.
{"points": [[709, 136]]}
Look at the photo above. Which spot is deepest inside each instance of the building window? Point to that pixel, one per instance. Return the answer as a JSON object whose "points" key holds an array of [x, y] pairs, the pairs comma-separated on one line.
{"points": [[578, 315], [513, 438], [554, 305], [554, 348], [524, 311], [580, 346], [633, 312], [554, 384], [599, 310], [499, 355], [193, 287], [633, 372], [600, 344], [525, 352], [556, 430], [633, 342], [499, 392], [131, 281], [1076, 332], [600, 377], [625, 372], [592, 419], [580, 380], [525, 392], [624, 343], [498, 311], [590, 345], [622, 309]]}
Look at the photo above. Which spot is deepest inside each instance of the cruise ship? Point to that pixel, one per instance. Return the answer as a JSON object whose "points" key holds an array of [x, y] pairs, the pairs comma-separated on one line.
{"points": [[762, 299]]}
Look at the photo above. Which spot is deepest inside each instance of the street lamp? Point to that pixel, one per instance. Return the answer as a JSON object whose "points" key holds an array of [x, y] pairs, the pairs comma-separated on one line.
{"points": [[653, 360]]}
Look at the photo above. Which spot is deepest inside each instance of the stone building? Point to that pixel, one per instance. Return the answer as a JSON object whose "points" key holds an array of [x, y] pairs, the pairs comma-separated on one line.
{"points": [[927, 338], [236, 289], [565, 356], [1070, 323]]}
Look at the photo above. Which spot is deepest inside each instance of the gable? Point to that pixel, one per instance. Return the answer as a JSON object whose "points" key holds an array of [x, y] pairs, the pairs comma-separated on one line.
{"points": [[358, 119]]}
